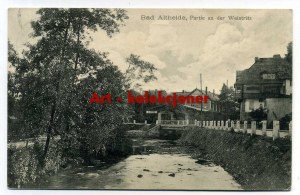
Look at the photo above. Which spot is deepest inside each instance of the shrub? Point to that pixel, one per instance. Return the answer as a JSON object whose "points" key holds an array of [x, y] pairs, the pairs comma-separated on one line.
{"points": [[24, 164], [284, 121]]}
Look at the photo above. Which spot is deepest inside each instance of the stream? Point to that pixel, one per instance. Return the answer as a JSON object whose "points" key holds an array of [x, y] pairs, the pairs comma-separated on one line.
{"points": [[153, 164]]}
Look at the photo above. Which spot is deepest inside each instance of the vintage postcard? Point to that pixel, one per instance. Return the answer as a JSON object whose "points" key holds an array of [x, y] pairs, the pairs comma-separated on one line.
{"points": [[149, 99]]}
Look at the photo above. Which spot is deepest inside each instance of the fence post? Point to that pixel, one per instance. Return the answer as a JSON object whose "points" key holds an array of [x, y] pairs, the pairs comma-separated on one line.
{"points": [[145, 121], [195, 122], [222, 125], [226, 125], [238, 126], [218, 125], [214, 124], [275, 130], [245, 127], [264, 128], [134, 121], [232, 125], [290, 130], [253, 127], [203, 123], [156, 122]]}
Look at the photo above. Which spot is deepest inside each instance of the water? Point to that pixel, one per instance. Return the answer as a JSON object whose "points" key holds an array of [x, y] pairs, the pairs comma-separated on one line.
{"points": [[148, 168]]}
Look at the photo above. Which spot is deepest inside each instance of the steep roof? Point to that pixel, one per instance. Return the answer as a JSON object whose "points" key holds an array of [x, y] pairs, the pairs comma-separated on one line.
{"points": [[275, 65], [196, 91], [211, 95]]}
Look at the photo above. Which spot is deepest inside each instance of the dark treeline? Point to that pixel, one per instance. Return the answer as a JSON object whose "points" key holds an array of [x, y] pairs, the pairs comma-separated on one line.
{"points": [[51, 82]]}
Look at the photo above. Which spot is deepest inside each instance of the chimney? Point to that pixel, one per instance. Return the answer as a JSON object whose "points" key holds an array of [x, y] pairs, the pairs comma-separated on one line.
{"points": [[256, 59], [206, 90], [213, 92], [183, 91]]}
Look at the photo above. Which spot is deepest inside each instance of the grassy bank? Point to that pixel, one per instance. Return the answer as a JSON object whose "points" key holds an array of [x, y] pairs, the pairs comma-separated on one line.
{"points": [[256, 162]]}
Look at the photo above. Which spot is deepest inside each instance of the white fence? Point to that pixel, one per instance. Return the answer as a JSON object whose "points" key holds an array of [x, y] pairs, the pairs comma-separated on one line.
{"points": [[244, 127], [250, 128]]}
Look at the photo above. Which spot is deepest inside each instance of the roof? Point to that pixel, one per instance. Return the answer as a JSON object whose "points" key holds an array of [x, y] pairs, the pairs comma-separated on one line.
{"points": [[275, 65], [212, 96], [196, 91]]}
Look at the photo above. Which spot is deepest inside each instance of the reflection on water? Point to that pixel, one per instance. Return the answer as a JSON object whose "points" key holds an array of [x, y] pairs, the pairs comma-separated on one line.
{"points": [[160, 170]]}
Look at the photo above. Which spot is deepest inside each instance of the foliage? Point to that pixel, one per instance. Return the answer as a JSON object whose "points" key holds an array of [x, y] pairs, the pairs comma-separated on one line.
{"points": [[139, 71], [259, 114], [51, 72], [230, 107], [53, 80], [289, 55], [285, 121], [140, 114], [24, 164]]}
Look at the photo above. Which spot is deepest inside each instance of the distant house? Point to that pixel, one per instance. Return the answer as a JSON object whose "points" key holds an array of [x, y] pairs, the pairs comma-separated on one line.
{"points": [[212, 104], [190, 111], [266, 84]]}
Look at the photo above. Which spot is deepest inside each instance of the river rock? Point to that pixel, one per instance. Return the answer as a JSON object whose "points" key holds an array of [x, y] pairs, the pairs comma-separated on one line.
{"points": [[203, 162], [140, 176], [172, 175]]}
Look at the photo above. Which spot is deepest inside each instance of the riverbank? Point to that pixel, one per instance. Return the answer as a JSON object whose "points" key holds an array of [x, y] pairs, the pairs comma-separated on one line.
{"points": [[256, 162], [152, 165]]}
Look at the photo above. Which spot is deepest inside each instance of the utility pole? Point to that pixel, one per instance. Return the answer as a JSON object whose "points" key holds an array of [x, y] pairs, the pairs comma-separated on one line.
{"points": [[201, 102], [227, 100]]}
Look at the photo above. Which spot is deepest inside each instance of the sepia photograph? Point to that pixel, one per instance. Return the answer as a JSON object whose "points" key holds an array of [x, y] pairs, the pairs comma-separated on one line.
{"points": [[149, 99]]}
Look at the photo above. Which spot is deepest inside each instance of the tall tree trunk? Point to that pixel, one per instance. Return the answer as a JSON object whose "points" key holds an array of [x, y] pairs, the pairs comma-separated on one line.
{"points": [[73, 81], [53, 108]]}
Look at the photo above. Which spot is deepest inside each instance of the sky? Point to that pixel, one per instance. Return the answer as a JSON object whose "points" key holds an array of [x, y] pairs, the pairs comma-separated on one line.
{"points": [[183, 49]]}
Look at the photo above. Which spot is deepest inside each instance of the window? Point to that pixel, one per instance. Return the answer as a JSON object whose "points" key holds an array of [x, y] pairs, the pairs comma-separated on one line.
{"points": [[268, 76]]}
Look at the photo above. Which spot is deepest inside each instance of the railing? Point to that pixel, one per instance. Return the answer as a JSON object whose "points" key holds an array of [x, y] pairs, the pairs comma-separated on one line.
{"points": [[174, 122], [250, 128]]}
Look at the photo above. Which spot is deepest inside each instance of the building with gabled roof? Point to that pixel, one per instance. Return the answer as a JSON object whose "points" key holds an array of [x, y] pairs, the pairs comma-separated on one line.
{"points": [[266, 84], [189, 111], [213, 101]]}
